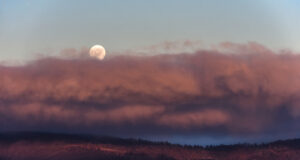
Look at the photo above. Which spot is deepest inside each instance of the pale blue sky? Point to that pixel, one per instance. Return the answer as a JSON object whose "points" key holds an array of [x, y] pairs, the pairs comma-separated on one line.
{"points": [[43, 26]]}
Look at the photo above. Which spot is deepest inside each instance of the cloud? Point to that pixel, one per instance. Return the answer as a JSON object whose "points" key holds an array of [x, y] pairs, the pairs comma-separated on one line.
{"points": [[195, 119], [175, 46], [166, 47], [231, 89]]}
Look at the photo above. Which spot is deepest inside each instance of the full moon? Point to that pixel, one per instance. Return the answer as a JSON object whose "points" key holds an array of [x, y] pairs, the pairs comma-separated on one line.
{"points": [[98, 52]]}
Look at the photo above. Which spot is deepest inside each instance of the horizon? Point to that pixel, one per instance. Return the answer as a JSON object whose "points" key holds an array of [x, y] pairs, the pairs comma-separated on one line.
{"points": [[94, 138]]}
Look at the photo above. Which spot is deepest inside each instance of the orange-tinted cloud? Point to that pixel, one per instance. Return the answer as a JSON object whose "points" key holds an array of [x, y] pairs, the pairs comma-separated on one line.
{"points": [[246, 88]]}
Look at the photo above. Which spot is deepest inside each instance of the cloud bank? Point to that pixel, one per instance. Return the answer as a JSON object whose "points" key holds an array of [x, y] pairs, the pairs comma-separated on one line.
{"points": [[231, 89]]}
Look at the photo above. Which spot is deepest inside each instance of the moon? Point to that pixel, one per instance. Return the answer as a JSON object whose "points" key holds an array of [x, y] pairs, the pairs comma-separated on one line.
{"points": [[97, 51]]}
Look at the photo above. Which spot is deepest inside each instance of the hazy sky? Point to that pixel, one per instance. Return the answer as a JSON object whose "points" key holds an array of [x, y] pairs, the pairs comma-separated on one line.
{"points": [[28, 27]]}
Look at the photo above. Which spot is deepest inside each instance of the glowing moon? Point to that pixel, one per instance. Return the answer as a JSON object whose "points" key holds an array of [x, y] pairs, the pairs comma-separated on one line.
{"points": [[98, 52]]}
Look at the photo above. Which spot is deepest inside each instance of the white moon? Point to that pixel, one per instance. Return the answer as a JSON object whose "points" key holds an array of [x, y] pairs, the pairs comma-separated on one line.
{"points": [[98, 52]]}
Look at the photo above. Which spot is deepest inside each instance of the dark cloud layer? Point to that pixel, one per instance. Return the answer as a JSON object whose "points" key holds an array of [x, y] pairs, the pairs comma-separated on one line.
{"points": [[232, 89]]}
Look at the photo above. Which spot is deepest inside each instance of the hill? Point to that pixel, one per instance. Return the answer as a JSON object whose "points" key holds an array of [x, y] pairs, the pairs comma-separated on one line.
{"points": [[52, 146]]}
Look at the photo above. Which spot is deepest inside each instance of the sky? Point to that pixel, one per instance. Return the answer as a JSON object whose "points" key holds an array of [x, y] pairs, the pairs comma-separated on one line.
{"points": [[31, 27], [244, 87]]}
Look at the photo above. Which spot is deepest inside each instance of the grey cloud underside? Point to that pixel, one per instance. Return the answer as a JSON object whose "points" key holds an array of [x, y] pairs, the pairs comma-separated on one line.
{"points": [[239, 89]]}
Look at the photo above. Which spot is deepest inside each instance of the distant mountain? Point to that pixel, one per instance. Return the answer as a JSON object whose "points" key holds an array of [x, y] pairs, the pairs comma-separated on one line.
{"points": [[53, 146]]}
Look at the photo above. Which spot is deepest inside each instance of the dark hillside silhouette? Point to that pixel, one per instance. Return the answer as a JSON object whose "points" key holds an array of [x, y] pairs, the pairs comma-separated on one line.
{"points": [[54, 146]]}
